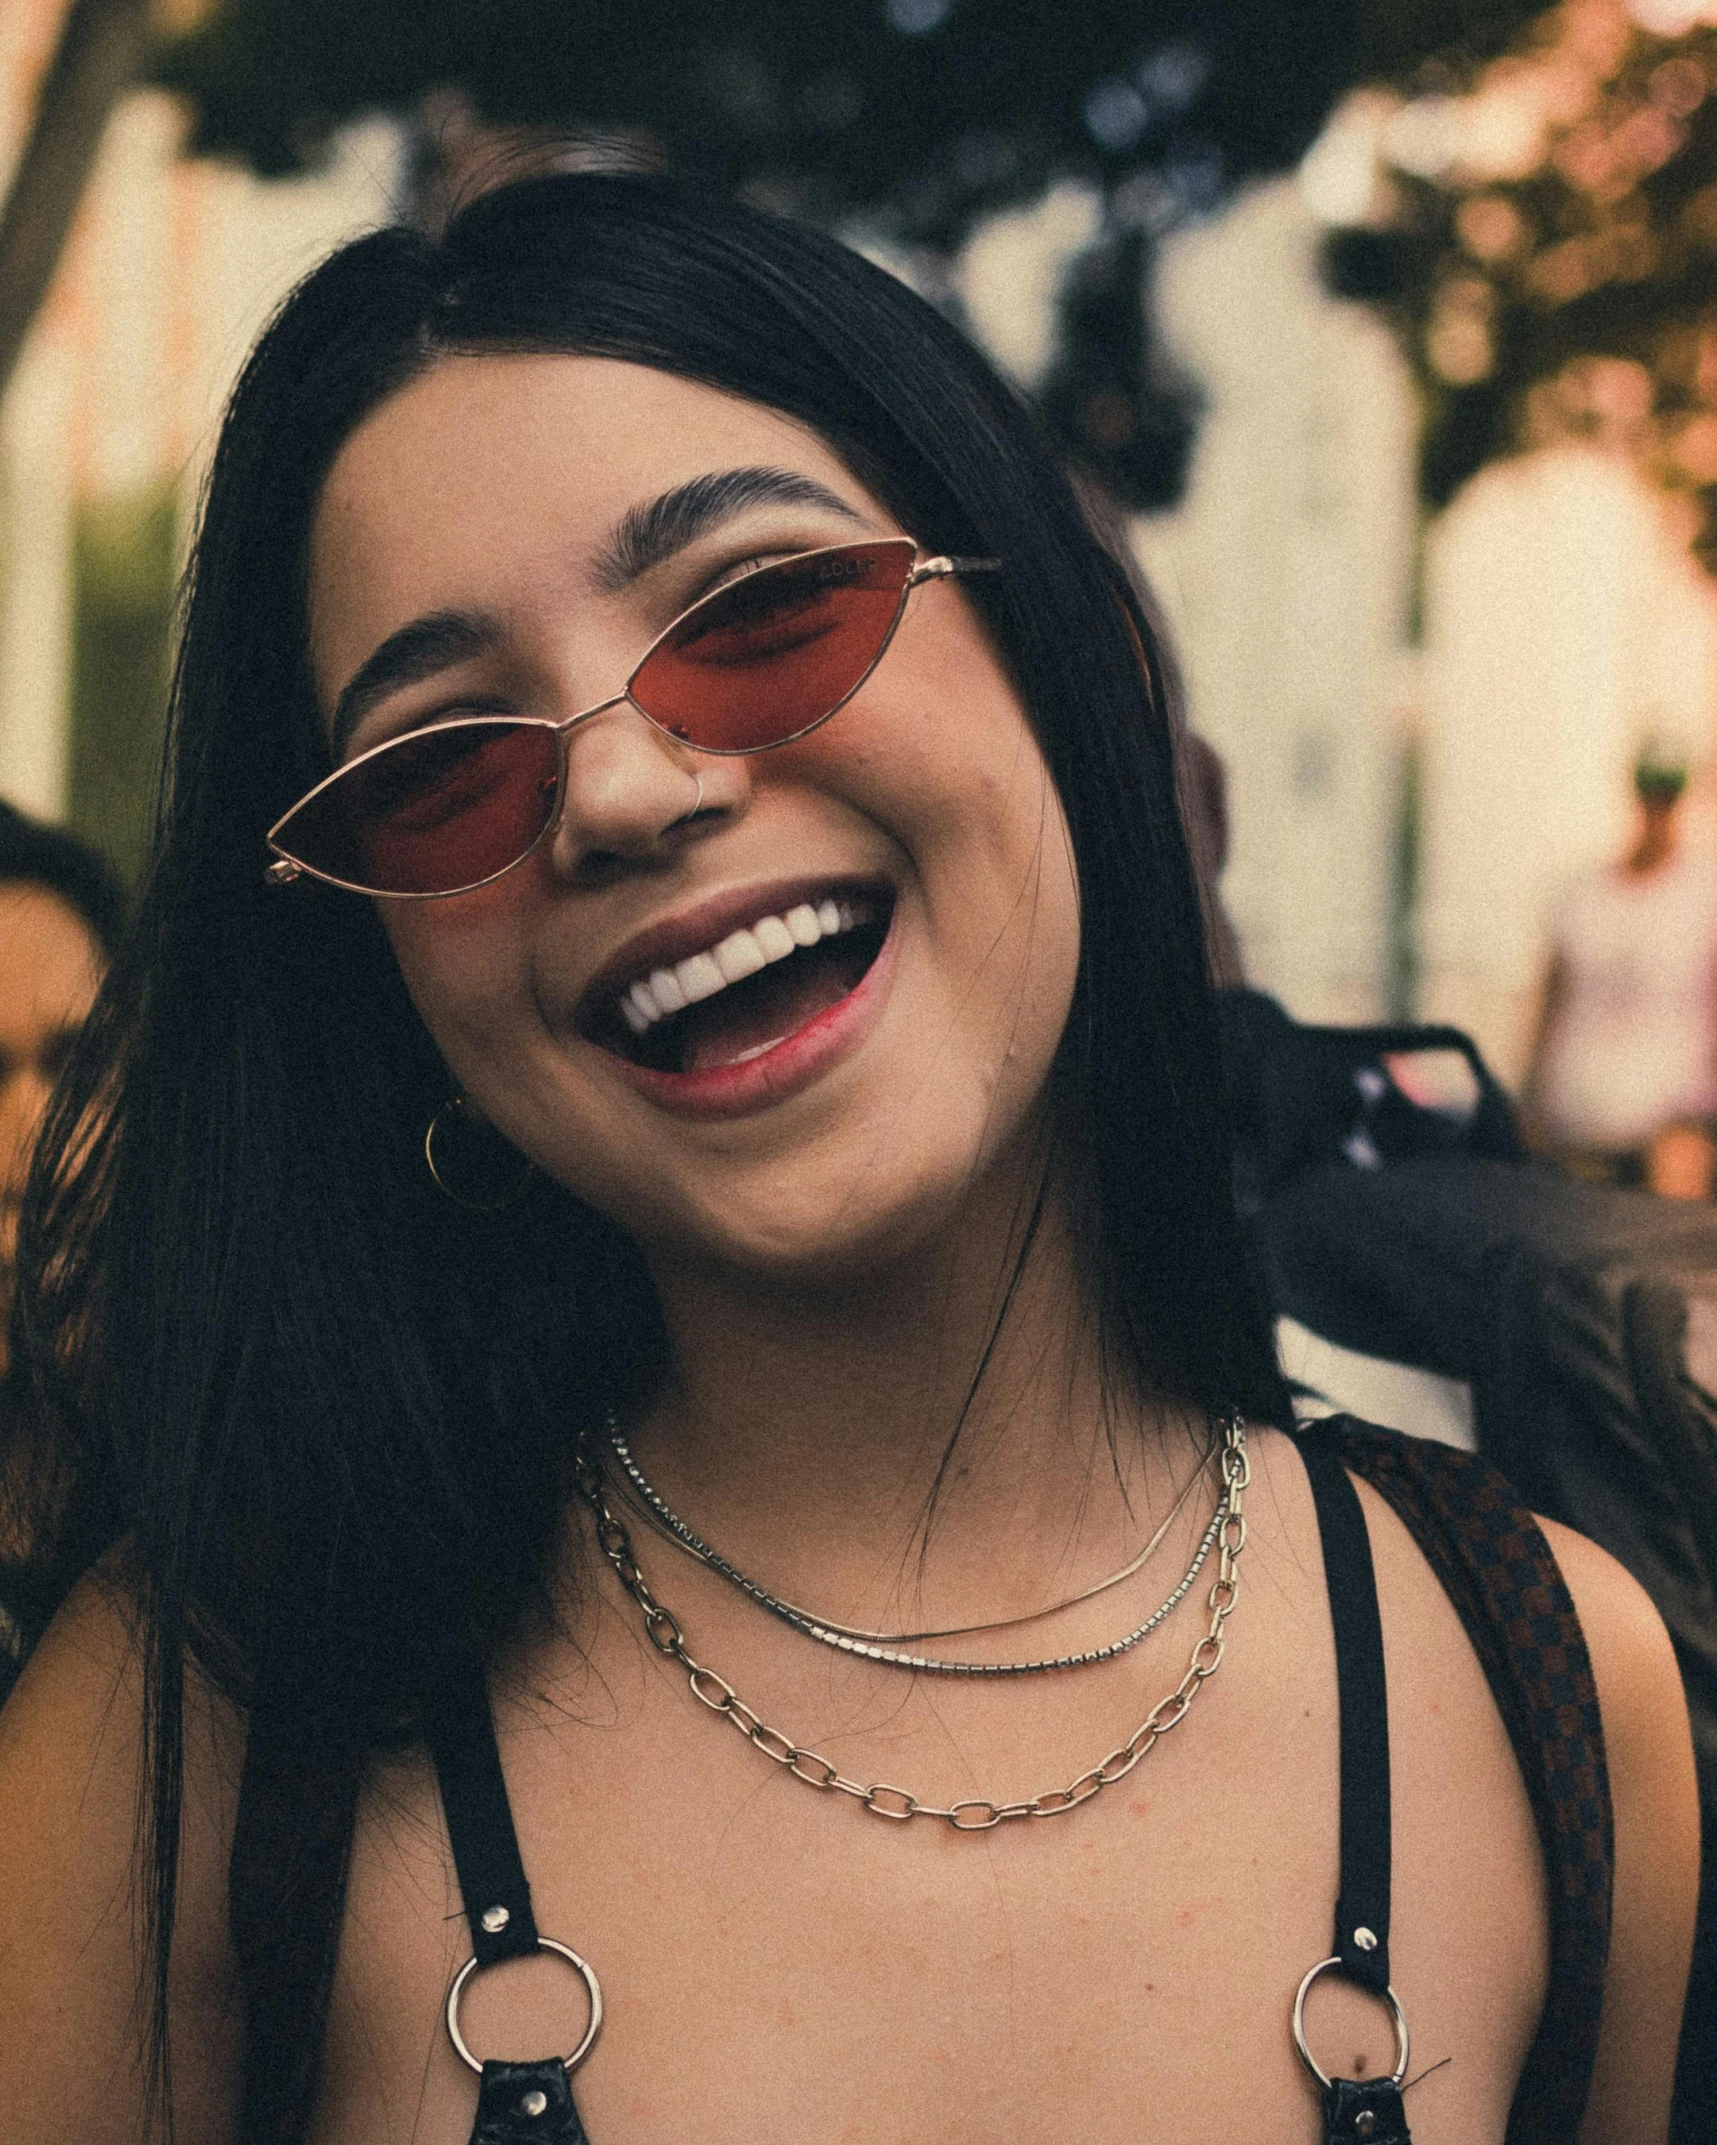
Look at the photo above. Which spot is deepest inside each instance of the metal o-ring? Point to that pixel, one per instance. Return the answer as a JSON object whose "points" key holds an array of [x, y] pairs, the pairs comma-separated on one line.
{"points": [[1399, 2016], [593, 1989]]}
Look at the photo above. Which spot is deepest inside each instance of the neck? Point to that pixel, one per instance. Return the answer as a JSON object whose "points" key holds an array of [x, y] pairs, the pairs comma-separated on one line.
{"points": [[805, 1427]]}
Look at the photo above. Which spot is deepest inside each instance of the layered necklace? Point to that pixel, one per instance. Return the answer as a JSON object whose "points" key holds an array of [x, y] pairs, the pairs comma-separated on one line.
{"points": [[887, 1646], [1226, 1534]]}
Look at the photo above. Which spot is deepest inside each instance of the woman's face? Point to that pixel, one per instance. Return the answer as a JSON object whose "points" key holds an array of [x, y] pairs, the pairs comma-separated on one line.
{"points": [[833, 1108]]}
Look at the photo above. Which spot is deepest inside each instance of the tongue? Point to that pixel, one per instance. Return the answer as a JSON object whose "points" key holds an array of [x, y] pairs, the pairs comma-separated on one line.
{"points": [[747, 1017]]}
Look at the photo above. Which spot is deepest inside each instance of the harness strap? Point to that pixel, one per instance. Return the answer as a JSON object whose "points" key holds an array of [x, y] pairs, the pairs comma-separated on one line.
{"points": [[486, 1858], [517, 2103], [1362, 1909]]}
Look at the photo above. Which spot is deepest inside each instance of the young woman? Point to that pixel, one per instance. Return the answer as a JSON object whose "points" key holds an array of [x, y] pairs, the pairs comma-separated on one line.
{"points": [[682, 1187]]}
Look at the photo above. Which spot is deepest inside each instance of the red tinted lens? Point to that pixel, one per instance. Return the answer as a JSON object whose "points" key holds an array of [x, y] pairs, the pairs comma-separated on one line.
{"points": [[435, 811], [774, 652]]}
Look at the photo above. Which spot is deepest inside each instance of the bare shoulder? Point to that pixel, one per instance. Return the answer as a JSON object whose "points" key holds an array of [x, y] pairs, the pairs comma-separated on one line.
{"points": [[1649, 1749], [71, 1741], [1646, 1734], [1616, 1613]]}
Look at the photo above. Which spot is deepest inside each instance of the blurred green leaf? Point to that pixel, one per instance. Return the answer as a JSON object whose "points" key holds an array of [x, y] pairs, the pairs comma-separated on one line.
{"points": [[124, 564]]}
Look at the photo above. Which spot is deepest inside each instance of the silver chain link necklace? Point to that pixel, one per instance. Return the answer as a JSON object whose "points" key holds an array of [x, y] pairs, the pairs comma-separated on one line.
{"points": [[974, 1814], [868, 1646]]}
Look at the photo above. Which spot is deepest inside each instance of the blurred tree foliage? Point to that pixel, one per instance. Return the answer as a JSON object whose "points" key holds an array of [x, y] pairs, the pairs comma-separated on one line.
{"points": [[1542, 230], [912, 116], [927, 108], [124, 562]]}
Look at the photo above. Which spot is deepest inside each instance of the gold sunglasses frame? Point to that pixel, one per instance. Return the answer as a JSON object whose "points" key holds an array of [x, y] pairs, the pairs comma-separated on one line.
{"points": [[286, 868]]}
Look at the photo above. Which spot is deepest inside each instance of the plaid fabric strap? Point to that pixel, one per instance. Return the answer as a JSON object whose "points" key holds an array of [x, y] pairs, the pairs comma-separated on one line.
{"points": [[1498, 1570]]}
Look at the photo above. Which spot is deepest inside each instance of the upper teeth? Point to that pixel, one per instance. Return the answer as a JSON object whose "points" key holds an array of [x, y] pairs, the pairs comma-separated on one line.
{"points": [[741, 953]]}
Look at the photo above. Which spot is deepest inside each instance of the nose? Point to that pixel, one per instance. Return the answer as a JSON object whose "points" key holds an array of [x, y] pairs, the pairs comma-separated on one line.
{"points": [[630, 789]]}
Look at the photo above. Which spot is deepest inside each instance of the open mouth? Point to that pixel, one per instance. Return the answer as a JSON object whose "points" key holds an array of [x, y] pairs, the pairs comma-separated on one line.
{"points": [[756, 986]]}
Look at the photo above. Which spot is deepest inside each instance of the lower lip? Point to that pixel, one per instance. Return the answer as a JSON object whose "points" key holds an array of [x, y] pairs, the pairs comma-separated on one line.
{"points": [[786, 1067]]}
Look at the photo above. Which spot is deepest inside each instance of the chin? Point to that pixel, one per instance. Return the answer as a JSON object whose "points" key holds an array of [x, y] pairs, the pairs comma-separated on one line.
{"points": [[848, 1211]]}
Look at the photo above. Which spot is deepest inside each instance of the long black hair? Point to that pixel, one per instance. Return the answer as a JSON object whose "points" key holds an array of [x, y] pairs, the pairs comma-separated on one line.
{"points": [[322, 1413]]}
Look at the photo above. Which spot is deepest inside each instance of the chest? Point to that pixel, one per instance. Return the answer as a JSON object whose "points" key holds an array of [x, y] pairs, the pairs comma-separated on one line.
{"points": [[777, 1962]]}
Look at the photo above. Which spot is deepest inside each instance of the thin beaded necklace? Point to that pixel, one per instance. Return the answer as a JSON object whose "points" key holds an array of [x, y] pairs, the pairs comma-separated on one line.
{"points": [[872, 1646], [974, 1814]]}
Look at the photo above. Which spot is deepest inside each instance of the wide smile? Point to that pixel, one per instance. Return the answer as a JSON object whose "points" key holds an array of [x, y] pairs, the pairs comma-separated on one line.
{"points": [[692, 1011]]}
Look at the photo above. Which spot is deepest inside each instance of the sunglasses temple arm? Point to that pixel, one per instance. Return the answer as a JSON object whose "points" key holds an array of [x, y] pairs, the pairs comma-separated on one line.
{"points": [[940, 568]]}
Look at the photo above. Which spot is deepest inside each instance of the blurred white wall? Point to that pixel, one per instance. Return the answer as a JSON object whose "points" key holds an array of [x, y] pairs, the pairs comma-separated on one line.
{"points": [[1009, 276], [1285, 576], [255, 239]]}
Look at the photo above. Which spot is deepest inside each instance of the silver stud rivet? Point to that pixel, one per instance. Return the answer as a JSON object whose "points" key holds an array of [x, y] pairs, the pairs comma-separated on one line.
{"points": [[536, 2103], [1365, 2122], [1366, 1939], [495, 1919]]}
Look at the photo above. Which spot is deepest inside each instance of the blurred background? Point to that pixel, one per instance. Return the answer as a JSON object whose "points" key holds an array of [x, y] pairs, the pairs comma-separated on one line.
{"points": [[1388, 328]]}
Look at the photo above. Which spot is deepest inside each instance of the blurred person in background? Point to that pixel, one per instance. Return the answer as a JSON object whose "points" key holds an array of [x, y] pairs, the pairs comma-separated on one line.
{"points": [[61, 910], [1621, 1085]]}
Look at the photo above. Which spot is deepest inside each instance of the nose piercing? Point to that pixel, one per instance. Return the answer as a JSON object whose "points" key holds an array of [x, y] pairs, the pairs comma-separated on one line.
{"points": [[696, 805]]}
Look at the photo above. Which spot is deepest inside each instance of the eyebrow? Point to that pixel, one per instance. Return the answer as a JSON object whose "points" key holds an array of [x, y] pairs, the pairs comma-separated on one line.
{"points": [[653, 532], [645, 536], [415, 652]]}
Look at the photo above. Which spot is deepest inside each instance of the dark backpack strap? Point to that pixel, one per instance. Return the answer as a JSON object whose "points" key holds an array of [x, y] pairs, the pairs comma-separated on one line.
{"points": [[1362, 1908]]}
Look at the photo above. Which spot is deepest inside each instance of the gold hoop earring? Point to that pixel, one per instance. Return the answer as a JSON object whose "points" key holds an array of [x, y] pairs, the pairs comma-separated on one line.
{"points": [[462, 1151]]}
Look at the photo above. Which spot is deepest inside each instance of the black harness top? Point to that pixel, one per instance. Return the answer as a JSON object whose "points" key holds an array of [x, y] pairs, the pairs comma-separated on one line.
{"points": [[1372, 2108], [1500, 1574]]}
